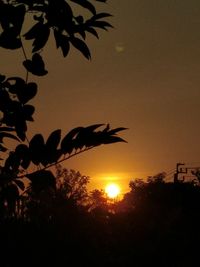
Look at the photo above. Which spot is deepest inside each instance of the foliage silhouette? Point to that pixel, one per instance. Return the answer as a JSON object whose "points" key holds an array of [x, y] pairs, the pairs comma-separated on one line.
{"points": [[44, 19]]}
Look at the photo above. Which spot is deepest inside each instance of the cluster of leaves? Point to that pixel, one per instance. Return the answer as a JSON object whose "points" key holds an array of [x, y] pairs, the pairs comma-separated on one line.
{"points": [[15, 93], [48, 16], [45, 17], [44, 154]]}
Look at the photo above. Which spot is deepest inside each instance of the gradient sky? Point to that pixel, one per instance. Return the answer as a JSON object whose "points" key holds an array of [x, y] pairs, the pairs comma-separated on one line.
{"points": [[144, 75]]}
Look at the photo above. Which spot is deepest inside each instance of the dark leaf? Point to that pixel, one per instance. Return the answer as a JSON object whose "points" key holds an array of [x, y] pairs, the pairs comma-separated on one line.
{"points": [[8, 135], [28, 111], [79, 19], [62, 41], [82, 34], [53, 140], [92, 31], [81, 46], [36, 65], [28, 65], [12, 16], [37, 149], [41, 38], [34, 31], [67, 144], [23, 153], [9, 39], [101, 24], [27, 92], [100, 16], [15, 84], [12, 163], [116, 130], [94, 127], [21, 128], [18, 17], [6, 129], [113, 139]]}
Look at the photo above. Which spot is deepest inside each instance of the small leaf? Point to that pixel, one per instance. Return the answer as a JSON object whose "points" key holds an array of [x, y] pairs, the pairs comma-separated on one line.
{"points": [[33, 32], [100, 16], [41, 38], [28, 111], [92, 31], [6, 129], [8, 135], [62, 41], [101, 24], [22, 151], [27, 92], [36, 65], [53, 140], [67, 144], [116, 130], [81, 46], [37, 149], [113, 139]]}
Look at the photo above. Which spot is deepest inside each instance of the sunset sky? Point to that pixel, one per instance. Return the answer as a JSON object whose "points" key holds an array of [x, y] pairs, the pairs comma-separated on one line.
{"points": [[144, 75]]}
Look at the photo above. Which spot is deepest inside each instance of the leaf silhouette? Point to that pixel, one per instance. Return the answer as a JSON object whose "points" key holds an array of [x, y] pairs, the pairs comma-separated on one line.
{"points": [[28, 111], [23, 154], [67, 144], [24, 92], [8, 135], [40, 33], [116, 130], [27, 93], [92, 31], [81, 46], [101, 24], [12, 15], [9, 39], [53, 140], [87, 137], [100, 16], [113, 139], [62, 41], [37, 149], [52, 153], [36, 65]]}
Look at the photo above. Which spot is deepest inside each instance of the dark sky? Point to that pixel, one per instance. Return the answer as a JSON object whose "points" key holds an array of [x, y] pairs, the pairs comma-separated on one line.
{"points": [[144, 75]]}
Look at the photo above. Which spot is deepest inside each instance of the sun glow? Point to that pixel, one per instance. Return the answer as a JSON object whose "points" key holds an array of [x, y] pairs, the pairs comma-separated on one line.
{"points": [[112, 190]]}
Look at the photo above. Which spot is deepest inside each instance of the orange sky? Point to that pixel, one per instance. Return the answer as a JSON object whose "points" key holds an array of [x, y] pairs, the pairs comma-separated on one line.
{"points": [[144, 75]]}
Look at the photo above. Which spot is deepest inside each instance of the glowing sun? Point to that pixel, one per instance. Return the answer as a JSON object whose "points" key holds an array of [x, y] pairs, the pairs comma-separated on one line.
{"points": [[112, 190]]}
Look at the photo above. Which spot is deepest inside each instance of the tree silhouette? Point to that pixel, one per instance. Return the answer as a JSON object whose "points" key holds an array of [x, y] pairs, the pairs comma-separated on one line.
{"points": [[44, 18]]}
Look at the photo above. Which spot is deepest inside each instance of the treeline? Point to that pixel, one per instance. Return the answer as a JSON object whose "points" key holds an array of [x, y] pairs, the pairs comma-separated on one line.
{"points": [[155, 224]]}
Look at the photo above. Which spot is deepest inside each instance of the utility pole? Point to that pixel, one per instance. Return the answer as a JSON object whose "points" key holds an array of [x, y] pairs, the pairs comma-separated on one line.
{"points": [[179, 171]]}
